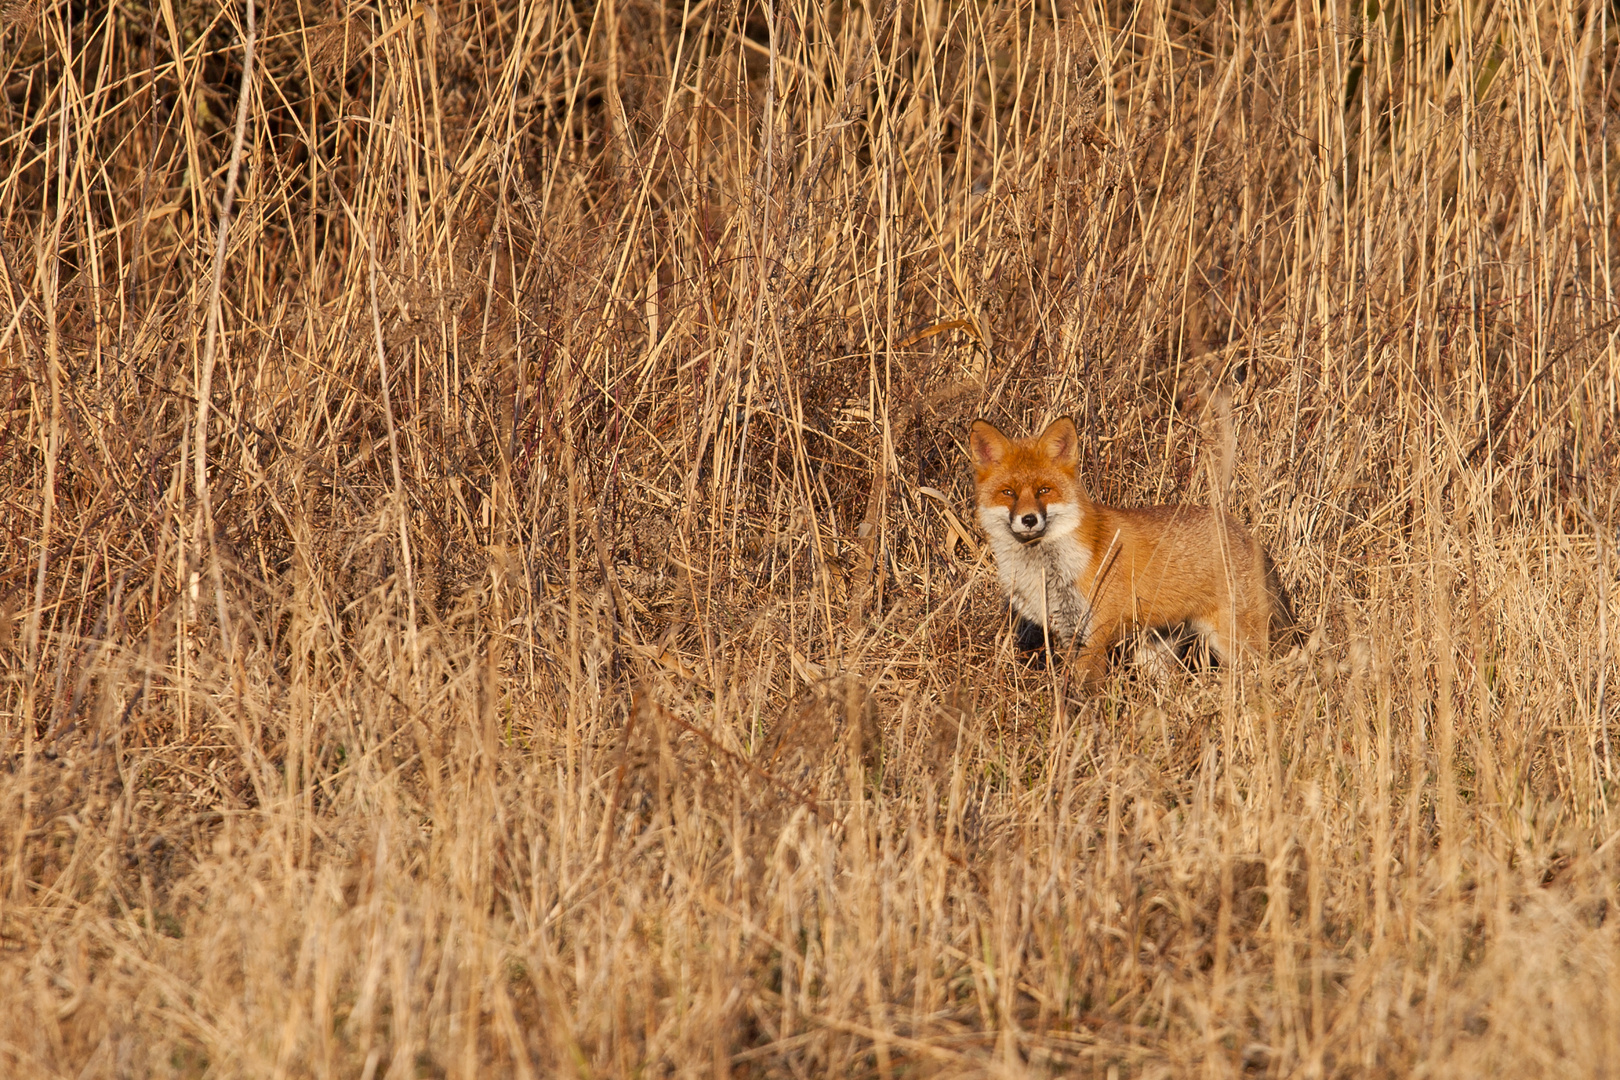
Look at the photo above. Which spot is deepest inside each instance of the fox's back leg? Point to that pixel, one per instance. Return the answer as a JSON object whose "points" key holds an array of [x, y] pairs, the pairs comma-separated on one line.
{"points": [[1216, 636], [1230, 633]]}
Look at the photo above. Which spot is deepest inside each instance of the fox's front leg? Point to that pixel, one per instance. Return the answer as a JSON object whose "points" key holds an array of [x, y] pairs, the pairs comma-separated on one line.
{"points": [[1091, 661]]}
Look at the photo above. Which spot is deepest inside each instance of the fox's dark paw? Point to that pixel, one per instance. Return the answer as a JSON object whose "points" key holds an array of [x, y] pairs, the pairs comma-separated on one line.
{"points": [[1031, 638]]}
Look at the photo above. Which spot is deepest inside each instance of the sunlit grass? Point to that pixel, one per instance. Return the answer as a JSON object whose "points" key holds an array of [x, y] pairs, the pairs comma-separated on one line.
{"points": [[562, 646]]}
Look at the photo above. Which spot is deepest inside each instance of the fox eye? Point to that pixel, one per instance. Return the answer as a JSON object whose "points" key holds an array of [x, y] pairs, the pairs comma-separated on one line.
{"points": [[1010, 493], [1042, 491]]}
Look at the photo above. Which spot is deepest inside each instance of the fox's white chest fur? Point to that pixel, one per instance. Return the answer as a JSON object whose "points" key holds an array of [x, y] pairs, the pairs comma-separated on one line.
{"points": [[1042, 578]]}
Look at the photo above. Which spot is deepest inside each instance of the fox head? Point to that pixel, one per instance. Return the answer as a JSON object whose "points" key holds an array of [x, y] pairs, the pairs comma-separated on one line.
{"points": [[1029, 489]]}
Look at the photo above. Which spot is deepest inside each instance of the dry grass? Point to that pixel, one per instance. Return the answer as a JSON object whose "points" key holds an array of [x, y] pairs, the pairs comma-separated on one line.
{"points": [[522, 630]]}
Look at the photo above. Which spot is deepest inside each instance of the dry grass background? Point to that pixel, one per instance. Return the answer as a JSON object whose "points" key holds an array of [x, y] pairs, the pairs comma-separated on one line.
{"points": [[527, 629]]}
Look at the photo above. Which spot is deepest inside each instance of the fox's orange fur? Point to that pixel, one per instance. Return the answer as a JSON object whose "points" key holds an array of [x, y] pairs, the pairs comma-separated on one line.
{"points": [[1094, 574]]}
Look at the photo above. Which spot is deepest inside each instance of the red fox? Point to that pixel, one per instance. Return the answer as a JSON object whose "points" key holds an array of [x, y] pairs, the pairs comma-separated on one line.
{"points": [[1093, 574]]}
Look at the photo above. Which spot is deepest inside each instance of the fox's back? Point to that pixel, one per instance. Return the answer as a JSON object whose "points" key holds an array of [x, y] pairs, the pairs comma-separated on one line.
{"points": [[1180, 563]]}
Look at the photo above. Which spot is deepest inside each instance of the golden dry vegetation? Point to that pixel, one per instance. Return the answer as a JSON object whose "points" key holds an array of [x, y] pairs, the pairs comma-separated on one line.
{"points": [[488, 584]]}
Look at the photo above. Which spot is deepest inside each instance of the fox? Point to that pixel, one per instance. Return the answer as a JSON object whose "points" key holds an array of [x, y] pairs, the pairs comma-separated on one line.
{"points": [[1091, 576]]}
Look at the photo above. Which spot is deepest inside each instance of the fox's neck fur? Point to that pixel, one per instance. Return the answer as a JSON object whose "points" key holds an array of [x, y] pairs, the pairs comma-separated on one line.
{"points": [[1040, 577]]}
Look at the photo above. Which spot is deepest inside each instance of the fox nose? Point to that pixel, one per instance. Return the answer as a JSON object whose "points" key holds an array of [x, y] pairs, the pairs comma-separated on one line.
{"points": [[1031, 520]]}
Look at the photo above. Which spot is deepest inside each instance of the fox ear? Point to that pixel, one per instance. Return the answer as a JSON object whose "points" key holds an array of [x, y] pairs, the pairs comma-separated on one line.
{"points": [[1061, 441], [987, 445]]}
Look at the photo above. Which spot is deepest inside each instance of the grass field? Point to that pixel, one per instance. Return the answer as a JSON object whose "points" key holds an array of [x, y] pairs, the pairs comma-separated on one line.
{"points": [[489, 584]]}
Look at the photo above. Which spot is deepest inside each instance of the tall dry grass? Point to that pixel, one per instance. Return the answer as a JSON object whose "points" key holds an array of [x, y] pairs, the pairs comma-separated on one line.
{"points": [[485, 584]]}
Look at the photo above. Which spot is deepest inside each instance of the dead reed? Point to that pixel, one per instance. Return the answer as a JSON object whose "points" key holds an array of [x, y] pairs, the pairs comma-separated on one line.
{"points": [[485, 592]]}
